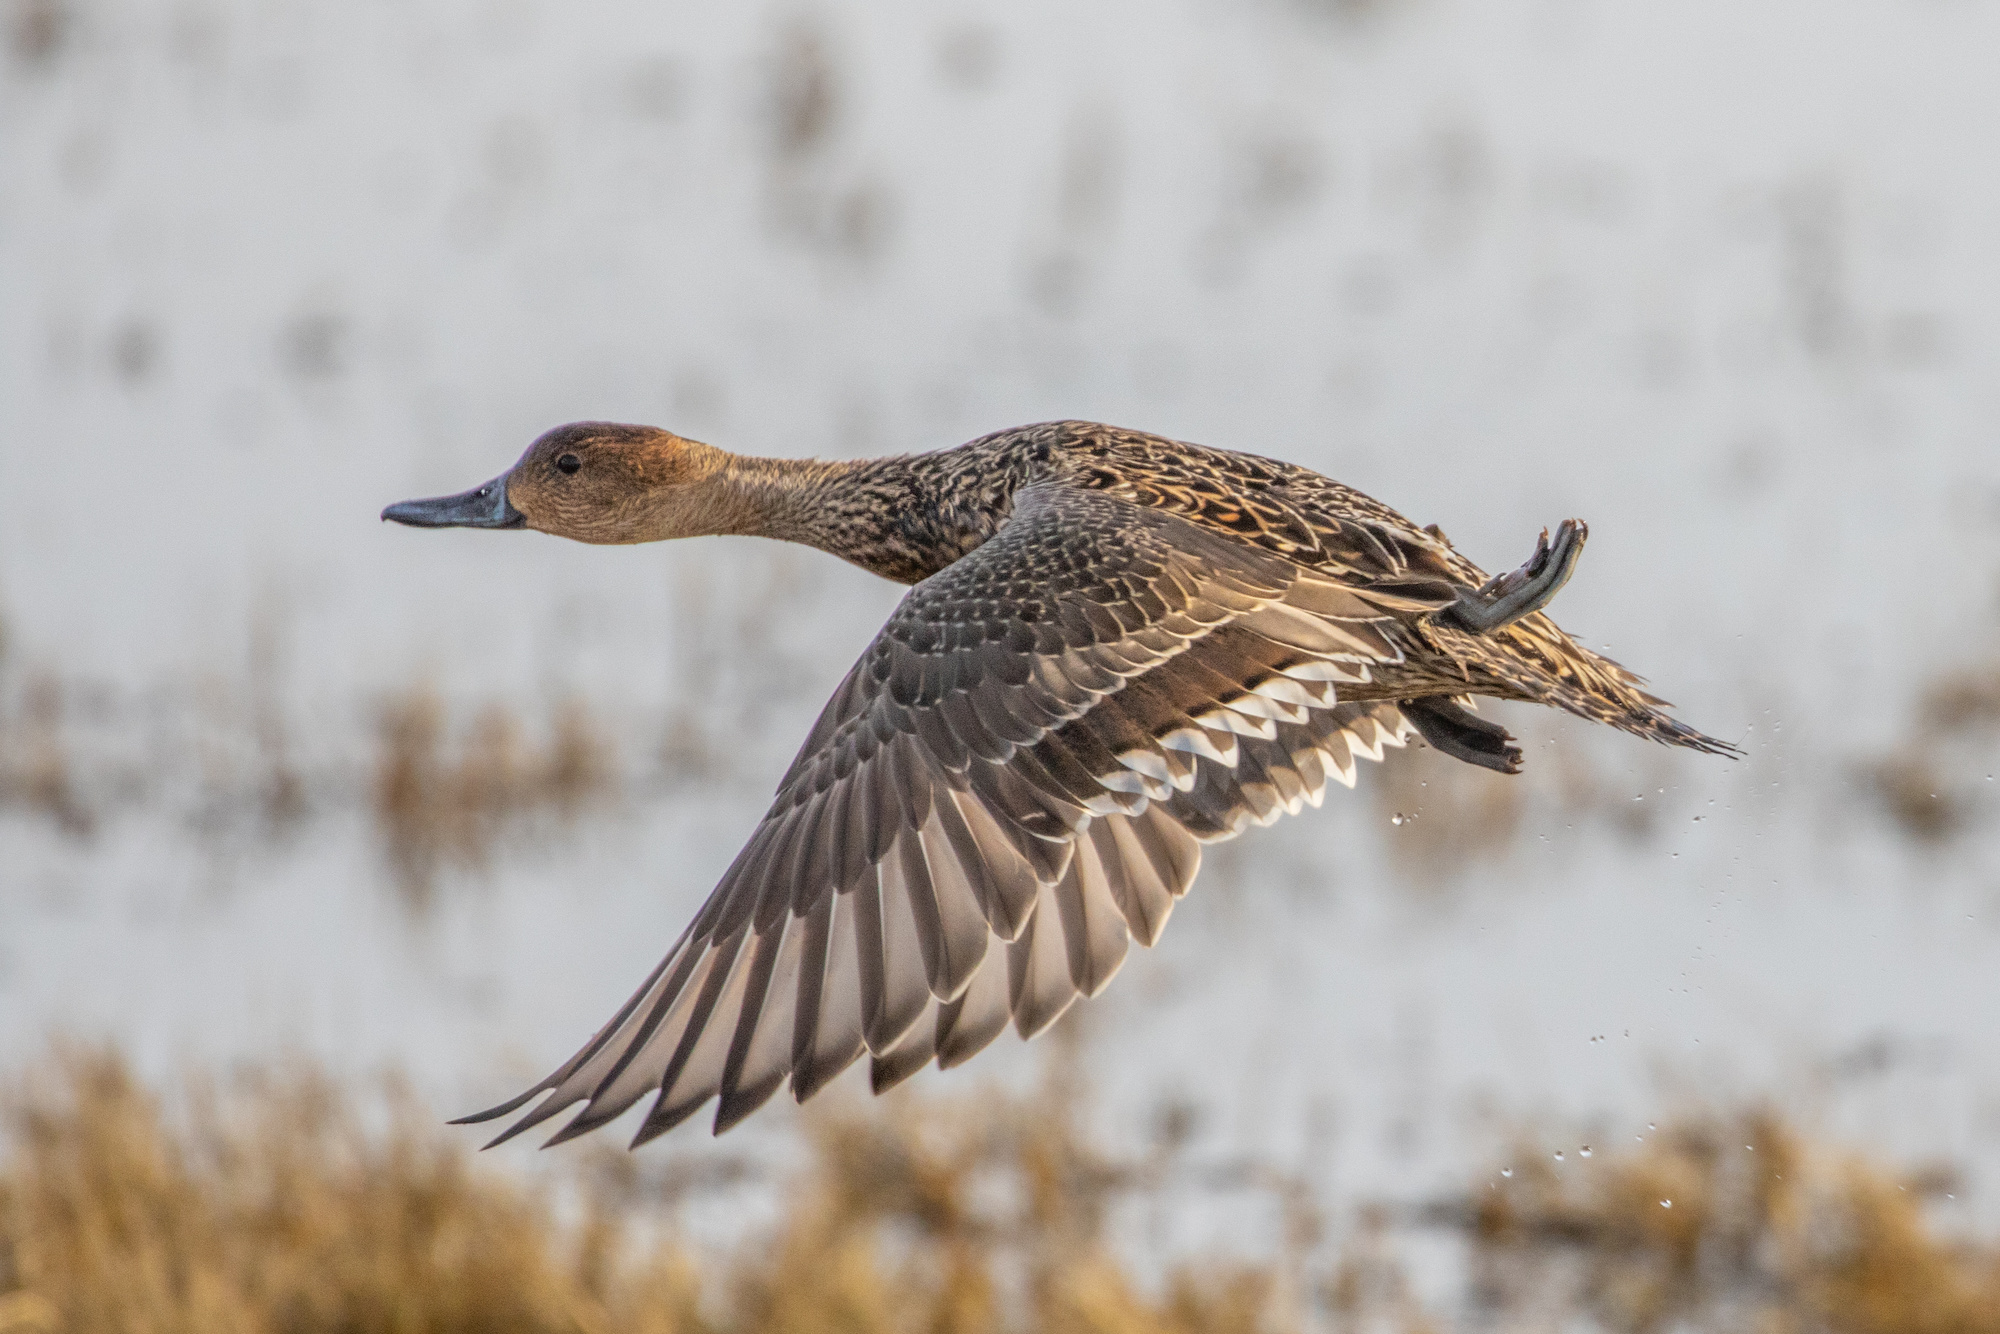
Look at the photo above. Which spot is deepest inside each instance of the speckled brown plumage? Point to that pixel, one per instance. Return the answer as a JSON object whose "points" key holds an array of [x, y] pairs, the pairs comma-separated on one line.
{"points": [[1117, 648]]}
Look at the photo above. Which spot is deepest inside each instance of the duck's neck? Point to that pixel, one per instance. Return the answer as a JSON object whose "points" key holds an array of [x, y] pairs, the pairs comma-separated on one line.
{"points": [[902, 518]]}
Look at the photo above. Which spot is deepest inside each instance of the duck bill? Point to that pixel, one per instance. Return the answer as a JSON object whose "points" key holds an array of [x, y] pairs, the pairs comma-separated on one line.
{"points": [[482, 507]]}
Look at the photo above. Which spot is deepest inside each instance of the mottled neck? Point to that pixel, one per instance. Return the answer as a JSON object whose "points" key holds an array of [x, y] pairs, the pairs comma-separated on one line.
{"points": [[781, 498], [902, 518]]}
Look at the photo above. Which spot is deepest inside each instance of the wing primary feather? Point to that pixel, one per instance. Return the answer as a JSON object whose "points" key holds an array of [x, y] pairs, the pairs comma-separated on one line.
{"points": [[1175, 855], [969, 859], [915, 877], [1143, 896], [817, 927], [763, 963], [1010, 882], [963, 927], [570, 1067], [767, 1055], [703, 1057], [807, 878], [1038, 975], [967, 1025], [1094, 935], [907, 1056], [838, 1037], [582, 1081], [615, 1094], [868, 949], [906, 982]]}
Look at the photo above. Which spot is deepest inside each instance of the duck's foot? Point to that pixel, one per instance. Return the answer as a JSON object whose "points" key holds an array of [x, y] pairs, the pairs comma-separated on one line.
{"points": [[1506, 599], [1463, 735]]}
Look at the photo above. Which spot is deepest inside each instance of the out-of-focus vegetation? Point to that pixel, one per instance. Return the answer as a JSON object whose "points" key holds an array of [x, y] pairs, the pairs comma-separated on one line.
{"points": [[442, 787], [1936, 783], [277, 1202], [443, 798], [1729, 1223], [444, 783]]}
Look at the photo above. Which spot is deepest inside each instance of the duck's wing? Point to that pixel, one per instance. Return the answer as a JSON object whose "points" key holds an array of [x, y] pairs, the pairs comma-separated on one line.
{"points": [[1011, 783]]}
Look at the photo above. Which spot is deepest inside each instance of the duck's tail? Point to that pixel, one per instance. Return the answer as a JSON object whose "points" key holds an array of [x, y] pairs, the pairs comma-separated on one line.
{"points": [[1532, 659]]}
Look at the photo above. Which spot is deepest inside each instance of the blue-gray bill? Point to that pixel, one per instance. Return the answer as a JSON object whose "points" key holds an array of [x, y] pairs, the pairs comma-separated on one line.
{"points": [[482, 507]]}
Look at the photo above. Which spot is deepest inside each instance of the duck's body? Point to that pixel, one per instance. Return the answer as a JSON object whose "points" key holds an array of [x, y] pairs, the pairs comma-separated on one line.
{"points": [[1117, 647]]}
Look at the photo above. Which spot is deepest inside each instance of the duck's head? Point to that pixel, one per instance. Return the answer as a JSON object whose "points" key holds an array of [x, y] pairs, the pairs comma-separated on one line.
{"points": [[595, 482]]}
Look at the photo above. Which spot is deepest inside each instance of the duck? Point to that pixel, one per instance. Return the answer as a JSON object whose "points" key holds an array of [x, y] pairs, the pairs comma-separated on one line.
{"points": [[1116, 649]]}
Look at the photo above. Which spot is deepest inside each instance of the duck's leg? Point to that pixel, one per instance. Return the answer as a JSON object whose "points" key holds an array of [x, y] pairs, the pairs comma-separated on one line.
{"points": [[1463, 736], [1506, 599]]}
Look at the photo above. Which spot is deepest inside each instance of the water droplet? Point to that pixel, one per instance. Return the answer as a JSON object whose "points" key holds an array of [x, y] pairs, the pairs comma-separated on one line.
{"points": [[1640, 797], [1652, 1125], [1397, 818], [1506, 1171], [1583, 1152], [1666, 1204], [1559, 1155], [1750, 1147]]}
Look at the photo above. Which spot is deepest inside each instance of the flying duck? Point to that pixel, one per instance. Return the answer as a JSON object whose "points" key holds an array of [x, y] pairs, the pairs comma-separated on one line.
{"points": [[1115, 648]]}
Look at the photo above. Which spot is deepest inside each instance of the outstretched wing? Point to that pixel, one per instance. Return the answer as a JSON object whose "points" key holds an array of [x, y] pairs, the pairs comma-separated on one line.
{"points": [[1011, 784]]}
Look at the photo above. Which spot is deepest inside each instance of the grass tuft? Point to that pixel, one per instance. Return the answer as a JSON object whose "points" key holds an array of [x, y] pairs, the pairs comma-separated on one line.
{"points": [[446, 797], [277, 1203], [1929, 785], [1732, 1223]]}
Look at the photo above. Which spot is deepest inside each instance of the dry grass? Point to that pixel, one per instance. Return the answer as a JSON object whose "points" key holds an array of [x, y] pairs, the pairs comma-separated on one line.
{"points": [[1917, 796], [225, 757], [273, 1206], [240, 758], [1730, 1223], [446, 796], [36, 771], [1931, 786], [273, 1203]]}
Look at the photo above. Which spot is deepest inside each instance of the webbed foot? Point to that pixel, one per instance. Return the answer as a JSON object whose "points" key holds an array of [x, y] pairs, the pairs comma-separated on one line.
{"points": [[1450, 728], [1509, 597]]}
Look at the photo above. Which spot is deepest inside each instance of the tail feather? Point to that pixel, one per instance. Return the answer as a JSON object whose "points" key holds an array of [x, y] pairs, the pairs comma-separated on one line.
{"points": [[1533, 660]]}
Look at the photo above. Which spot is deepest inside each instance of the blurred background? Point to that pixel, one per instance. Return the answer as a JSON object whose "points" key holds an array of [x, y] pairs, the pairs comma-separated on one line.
{"points": [[314, 831]]}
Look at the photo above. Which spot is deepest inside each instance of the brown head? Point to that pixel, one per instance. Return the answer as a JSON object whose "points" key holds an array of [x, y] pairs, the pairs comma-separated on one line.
{"points": [[598, 482]]}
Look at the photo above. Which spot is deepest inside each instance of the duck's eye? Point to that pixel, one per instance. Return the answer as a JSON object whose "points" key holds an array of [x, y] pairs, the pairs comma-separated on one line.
{"points": [[568, 463]]}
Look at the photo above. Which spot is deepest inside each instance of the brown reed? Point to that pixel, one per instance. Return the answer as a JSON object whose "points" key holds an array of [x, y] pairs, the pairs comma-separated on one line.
{"points": [[278, 1202]]}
